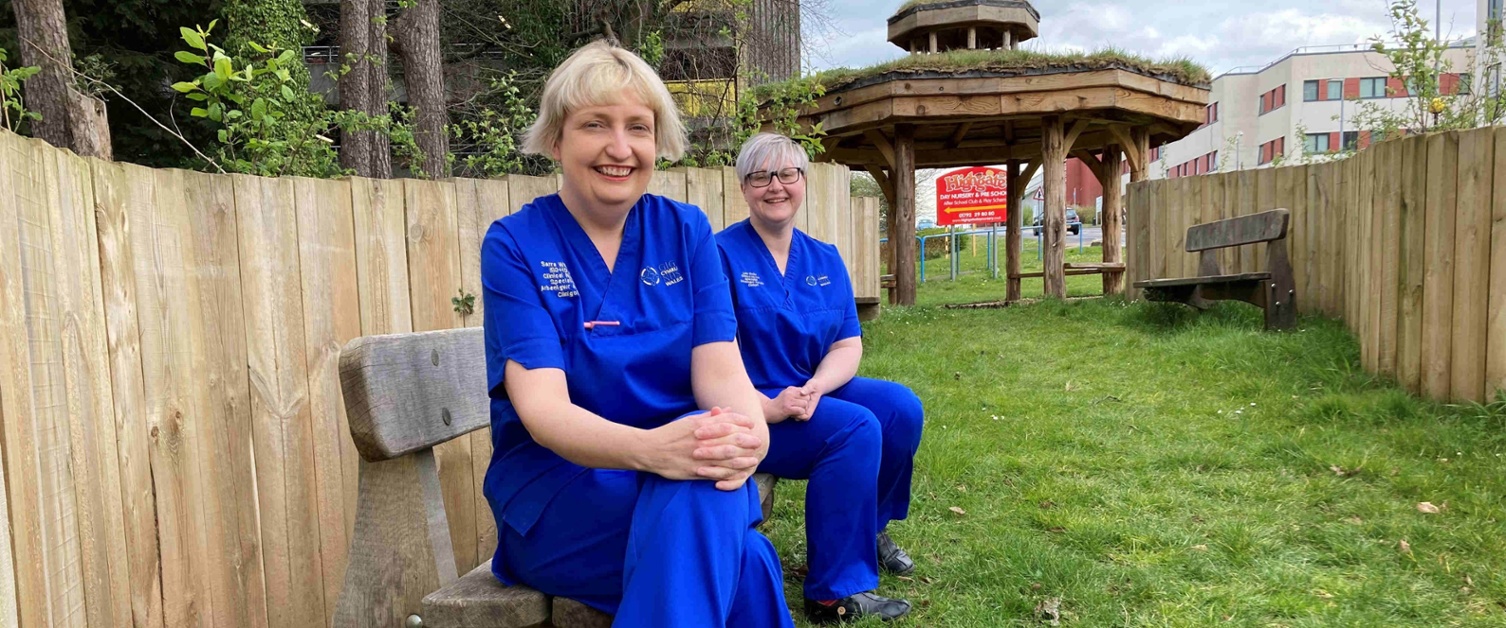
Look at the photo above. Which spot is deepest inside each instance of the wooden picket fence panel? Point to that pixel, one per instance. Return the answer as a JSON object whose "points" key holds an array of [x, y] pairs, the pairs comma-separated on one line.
{"points": [[175, 445], [1405, 241]]}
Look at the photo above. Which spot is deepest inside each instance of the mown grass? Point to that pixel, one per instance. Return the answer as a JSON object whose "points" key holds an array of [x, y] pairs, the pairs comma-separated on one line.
{"points": [[1151, 466]]}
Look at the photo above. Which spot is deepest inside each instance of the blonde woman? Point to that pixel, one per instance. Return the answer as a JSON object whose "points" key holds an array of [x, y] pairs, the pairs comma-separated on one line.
{"points": [[624, 426], [853, 438]]}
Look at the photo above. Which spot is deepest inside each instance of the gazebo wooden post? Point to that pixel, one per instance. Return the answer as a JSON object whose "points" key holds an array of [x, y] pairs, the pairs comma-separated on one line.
{"points": [[972, 38], [903, 238], [1138, 154], [1014, 222], [1054, 211], [1113, 204]]}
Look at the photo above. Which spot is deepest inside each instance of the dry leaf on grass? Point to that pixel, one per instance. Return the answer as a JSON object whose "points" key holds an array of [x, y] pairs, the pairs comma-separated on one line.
{"points": [[1427, 507], [957, 510], [1050, 611], [1200, 547], [1404, 546]]}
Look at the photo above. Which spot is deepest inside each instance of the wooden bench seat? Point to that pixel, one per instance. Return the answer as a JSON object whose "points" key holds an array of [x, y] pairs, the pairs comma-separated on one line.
{"points": [[1273, 290], [404, 395]]}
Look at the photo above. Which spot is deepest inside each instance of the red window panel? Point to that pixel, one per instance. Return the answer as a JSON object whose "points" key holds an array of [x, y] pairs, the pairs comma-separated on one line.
{"points": [[1333, 141], [1395, 87], [1280, 148], [1448, 84], [1351, 88], [1265, 153], [1280, 96]]}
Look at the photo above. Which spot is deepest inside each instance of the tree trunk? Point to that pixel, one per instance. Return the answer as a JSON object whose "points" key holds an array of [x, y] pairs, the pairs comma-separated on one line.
{"points": [[70, 119], [1053, 162], [416, 35], [363, 46]]}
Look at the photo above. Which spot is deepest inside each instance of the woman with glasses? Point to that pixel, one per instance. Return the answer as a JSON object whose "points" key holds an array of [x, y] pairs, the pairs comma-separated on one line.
{"points": [[853, 438], [624, 425]]}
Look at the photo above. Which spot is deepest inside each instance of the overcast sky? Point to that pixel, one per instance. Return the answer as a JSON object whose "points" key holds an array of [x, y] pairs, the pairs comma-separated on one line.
{"points": [[1220, 34]]}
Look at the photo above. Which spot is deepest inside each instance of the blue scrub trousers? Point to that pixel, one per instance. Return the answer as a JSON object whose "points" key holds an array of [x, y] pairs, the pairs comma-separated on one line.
{"points": [[858, 453], [653, 552]]}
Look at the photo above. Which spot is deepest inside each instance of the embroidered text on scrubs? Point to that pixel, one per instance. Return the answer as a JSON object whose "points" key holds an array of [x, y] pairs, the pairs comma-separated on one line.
{"points": [[557, 279], [671, 273], [752, 280]]}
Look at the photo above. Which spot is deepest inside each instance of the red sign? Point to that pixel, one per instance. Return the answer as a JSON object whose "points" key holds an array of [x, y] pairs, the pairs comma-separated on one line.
{"points": [[972, 196]]}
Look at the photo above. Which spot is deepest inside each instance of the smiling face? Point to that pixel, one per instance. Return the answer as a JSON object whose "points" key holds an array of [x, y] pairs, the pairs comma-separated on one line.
{"points": [[607, 154], [776, 204]]}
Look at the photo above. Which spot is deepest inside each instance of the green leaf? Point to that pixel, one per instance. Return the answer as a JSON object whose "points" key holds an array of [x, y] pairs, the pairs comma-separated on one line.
{"points": [[258, 47], [183, 87], [217, 112], [188, 57], [223, 67], [192, 38], [285, 57], [212, 82], [224, 136], [197, 96], [199, 112], [287, 93], [258, 108]]}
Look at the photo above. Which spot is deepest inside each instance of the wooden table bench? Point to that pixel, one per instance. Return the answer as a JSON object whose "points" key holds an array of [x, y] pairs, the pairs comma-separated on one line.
{"points": [[404, 395], [1274, 290]]}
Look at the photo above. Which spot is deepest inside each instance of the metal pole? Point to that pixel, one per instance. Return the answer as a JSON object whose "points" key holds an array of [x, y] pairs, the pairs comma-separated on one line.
{"points": [[952, 251]]}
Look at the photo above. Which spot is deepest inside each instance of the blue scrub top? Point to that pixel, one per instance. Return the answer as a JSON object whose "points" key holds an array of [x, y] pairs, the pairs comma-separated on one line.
{"points": [[787, 323], [622, 337]]}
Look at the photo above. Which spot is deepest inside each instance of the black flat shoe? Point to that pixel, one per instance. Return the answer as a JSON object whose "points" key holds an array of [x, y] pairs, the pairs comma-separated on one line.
{"points": [[855, 606], [893, 559]]}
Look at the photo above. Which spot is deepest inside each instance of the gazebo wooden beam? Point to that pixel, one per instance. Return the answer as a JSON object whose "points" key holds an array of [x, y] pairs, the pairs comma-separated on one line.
{"points": [[1128, 143], [1113, 205], [902, 240], [1054, 149], [1019, 179], [1091, 161], [882, 144], [957, 135]]}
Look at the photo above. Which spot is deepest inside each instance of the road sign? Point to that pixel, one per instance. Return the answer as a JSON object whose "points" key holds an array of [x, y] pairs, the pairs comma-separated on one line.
{"points": [[972, 196]]}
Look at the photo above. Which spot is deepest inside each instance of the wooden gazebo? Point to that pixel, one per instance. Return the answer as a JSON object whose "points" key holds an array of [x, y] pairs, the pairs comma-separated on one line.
{"points": [[988, 103]]}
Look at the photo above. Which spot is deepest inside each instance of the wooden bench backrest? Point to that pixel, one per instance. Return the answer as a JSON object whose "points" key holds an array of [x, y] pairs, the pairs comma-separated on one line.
{"points": [[408, 392], [1261, 227]]}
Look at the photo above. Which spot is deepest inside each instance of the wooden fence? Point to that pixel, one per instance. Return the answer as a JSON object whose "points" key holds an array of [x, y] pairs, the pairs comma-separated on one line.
{"points": [[1406, 242], [172, 437]]}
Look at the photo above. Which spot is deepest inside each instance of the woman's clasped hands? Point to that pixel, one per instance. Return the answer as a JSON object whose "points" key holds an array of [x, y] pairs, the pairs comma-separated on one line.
{"points": [[721, 445]]}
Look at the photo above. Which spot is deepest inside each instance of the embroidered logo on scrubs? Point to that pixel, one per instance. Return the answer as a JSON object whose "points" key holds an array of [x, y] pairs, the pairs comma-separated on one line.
{"points": [[810, 280], [557, 279], [668, 273], [751, 280], [823, 280], [813, 281]]}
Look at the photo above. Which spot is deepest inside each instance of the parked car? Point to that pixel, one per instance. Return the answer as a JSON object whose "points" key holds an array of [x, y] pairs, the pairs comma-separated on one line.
{"points": [[1074, 224]]}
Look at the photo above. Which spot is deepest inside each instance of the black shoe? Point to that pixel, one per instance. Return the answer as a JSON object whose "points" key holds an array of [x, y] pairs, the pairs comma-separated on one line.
{"points": [[855, 606], [892, 558]]}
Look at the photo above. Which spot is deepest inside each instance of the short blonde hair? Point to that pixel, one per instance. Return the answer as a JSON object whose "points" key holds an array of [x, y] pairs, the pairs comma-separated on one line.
{"points": [[766, 150], [595, 75]]}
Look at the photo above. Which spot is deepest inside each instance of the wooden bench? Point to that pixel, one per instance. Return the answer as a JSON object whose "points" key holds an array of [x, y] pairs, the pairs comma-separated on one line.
{"points": [[404, 395], [1274, 290]]}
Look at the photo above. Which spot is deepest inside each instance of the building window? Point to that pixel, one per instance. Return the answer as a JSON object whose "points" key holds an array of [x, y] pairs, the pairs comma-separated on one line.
{"points": [[1335, 90], [1310, 91], [1374, 87], [1316, 144], [1466, 85], [1351, 140], [1211, 114]]}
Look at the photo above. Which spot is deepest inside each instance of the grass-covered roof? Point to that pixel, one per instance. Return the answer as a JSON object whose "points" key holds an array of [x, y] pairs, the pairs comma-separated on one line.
{"points": [[1004, 63]]}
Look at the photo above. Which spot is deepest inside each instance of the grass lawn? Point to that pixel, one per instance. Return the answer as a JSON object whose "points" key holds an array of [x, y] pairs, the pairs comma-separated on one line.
{"points": [[1150, 466]]}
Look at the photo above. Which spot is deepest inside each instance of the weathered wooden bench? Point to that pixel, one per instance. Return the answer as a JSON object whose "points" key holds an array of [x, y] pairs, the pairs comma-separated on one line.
{"points": [[1273, 290], [404, 395]]}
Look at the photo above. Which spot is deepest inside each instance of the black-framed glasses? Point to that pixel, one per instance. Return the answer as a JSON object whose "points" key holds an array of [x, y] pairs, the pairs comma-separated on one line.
{"points": [[787, 176]]}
